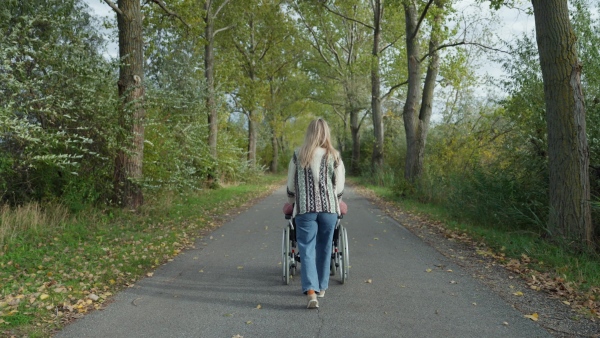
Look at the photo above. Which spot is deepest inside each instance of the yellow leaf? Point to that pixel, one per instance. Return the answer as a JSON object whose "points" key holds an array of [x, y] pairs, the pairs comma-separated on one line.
{"points": [[259, 306], [240, 267], [249, 322], [150, 274], [43, 296], [369, 281], [566, 302], [534, 316], [428, 270], [518, 293]]}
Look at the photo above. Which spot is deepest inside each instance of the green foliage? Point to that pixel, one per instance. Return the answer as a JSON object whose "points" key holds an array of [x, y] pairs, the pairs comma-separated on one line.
{"points": [[57, 101]]}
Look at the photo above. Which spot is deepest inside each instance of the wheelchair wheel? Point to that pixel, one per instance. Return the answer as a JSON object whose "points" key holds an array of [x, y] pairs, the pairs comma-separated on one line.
{"points": [[344, 255], [285, 249]]}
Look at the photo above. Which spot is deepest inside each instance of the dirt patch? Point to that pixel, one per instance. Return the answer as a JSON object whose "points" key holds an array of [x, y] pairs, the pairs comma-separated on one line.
{"points": [[523, 291]]}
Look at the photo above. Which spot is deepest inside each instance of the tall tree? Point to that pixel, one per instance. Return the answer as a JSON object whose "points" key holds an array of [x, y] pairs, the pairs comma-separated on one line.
{"points": [[262, 39], [128, 164], [375, 26], [211, 12], [377, 157], [129, 160], [416, 125], [340, 60], [568, 152]]}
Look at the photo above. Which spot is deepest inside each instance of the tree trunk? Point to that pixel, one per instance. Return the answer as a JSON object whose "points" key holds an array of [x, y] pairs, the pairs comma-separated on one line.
{"points": [[377, 158], [128, 163], [211, 107], [252, 130], [427, 98], [355, 131], [275, 162], [568, 156], [414, 86]]}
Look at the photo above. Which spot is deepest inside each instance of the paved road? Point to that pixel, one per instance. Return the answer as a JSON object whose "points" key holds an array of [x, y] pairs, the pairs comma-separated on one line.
{"points": [[215, 289]]}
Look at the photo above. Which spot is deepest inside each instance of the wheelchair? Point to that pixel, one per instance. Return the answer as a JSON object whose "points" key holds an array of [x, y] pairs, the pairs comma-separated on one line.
{"points": [[340, 256]]}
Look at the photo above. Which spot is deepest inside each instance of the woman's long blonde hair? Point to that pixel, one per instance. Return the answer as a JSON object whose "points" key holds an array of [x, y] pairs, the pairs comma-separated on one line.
{"points": [[317, 136]]}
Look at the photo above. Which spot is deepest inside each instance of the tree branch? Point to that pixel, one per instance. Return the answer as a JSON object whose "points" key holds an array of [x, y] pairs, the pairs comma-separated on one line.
{"points": [[392, 89], [114, 7], [348, 18], [422, 18], [220, 30], [460, 43], [363, 118], [341, 116], [168, 11], [390, 44], [220, 8]]}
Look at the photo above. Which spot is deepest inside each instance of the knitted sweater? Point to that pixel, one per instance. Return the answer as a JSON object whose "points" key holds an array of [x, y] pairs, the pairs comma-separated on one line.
{"points": [[318, 187]]}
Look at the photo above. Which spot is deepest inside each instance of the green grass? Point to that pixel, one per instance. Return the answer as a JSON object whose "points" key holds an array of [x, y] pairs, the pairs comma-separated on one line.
{"points": [[579, 268], [67, 267]]}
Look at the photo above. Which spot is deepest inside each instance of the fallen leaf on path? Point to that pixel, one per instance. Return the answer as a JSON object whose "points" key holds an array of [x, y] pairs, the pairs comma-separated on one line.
{"points": [[369, 281], [259, 306], [518, 293], [534, 316], [505, 323], [428, 270], [237, 336], [249, 322], [150, 274]]}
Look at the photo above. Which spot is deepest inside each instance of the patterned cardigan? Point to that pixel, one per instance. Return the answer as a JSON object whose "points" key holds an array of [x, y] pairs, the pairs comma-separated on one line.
{"points": [[318, 187]]}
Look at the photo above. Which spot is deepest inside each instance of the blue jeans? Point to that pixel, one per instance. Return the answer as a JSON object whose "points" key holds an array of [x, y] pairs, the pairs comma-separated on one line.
{"points": [[314, 234]]}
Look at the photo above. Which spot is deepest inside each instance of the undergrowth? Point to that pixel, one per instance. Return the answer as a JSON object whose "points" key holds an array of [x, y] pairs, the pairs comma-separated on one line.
{"points": [[56, 266]]}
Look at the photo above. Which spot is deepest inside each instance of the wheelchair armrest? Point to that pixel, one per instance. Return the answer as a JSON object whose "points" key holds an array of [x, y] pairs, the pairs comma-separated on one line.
{"points": [[288, 216]]}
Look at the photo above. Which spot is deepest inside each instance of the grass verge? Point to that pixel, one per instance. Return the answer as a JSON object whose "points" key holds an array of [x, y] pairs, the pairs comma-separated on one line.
{"points": [[572, 277], [54, 269]]}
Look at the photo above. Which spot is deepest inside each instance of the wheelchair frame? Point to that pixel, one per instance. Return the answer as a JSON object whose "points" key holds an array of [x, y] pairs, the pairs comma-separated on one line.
{"points": [[340, 255]]}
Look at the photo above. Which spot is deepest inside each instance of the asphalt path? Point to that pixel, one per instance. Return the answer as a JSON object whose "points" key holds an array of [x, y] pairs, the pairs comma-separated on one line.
{"points": [[230, 285]]}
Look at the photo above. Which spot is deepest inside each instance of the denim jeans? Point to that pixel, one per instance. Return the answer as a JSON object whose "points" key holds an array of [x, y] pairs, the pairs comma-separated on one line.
{"points": [[314, 234]]}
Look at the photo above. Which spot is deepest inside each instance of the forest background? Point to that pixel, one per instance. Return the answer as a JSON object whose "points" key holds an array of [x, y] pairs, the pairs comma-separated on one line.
{"points": [[205, 94]]}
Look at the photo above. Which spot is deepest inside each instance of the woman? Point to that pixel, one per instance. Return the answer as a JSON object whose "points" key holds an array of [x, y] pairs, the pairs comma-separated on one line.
{"points": [[315, 185]]}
